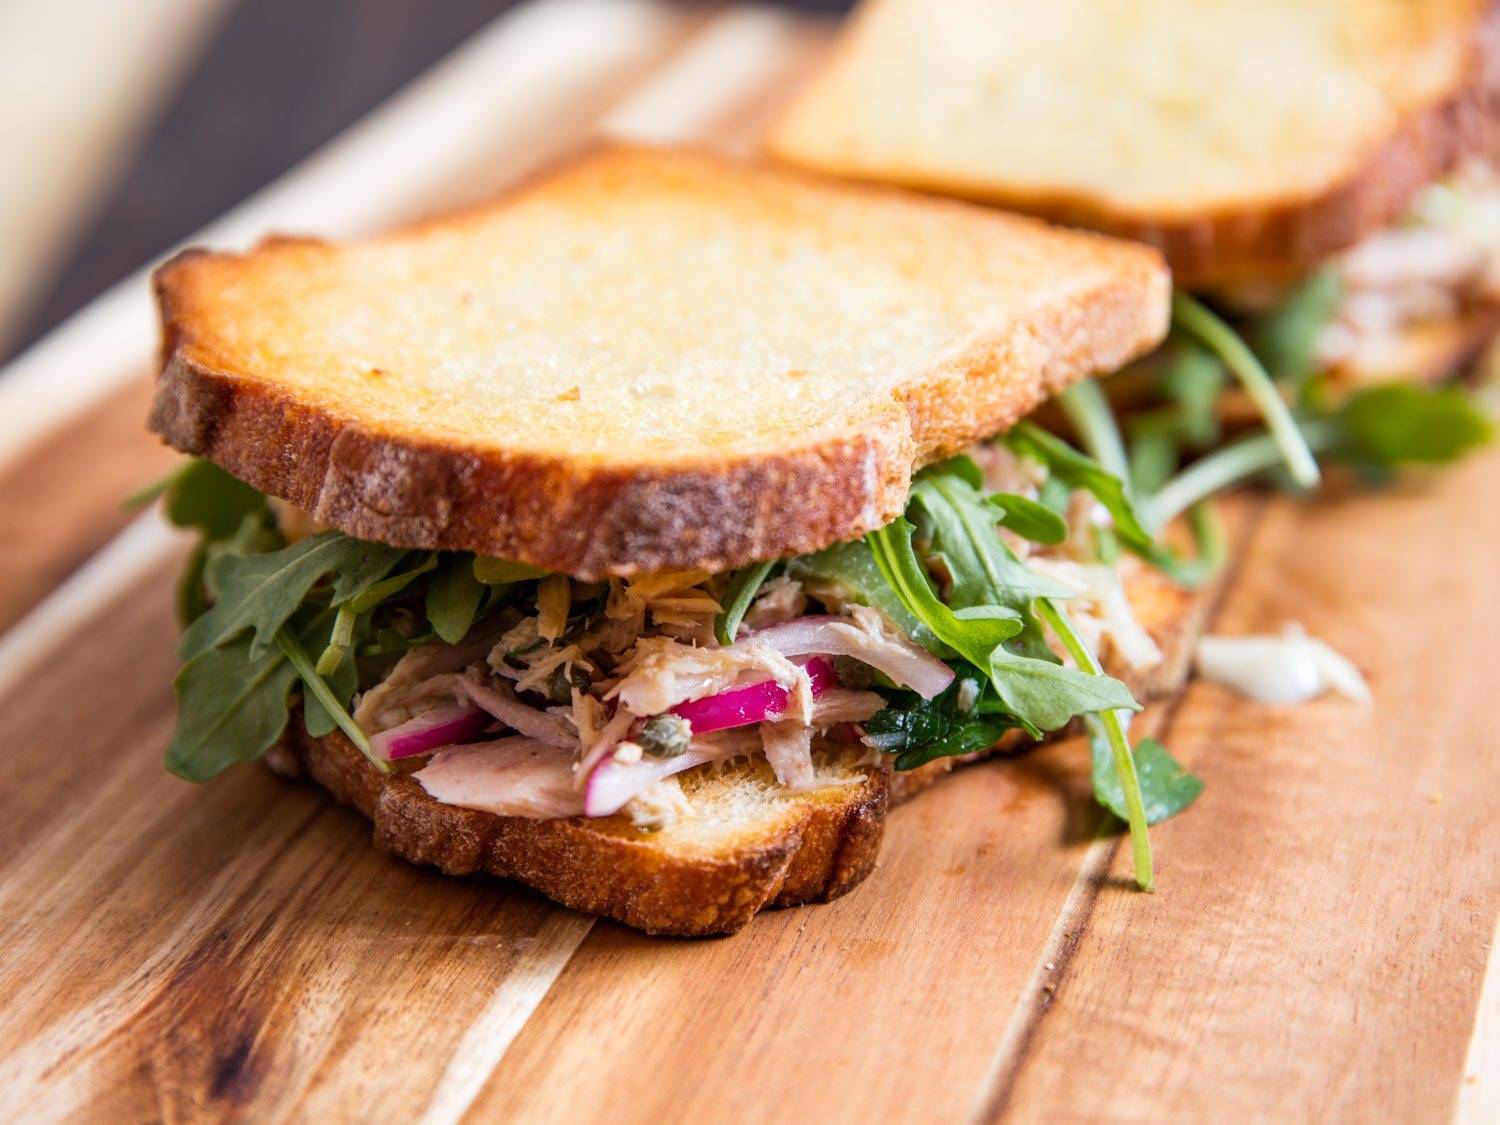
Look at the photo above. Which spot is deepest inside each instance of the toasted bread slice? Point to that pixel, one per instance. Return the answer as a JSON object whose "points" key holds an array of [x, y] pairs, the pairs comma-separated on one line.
{"points": [[1246, 138], [645, 360], [747, 844]]}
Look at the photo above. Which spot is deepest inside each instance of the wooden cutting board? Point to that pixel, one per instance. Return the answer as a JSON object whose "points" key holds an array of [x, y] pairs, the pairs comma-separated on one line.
{"points": [[1316, 949]]}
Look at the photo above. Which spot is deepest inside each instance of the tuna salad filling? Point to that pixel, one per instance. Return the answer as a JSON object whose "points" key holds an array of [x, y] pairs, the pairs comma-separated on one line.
{"points": [[992, 606]]}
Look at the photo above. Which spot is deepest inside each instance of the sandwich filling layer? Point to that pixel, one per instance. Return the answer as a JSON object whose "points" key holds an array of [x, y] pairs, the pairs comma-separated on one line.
{"points": [[991, 607]]}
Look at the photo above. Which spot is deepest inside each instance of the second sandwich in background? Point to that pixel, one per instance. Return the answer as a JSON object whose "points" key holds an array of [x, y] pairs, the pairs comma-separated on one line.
{"points": [[1318, 173]]}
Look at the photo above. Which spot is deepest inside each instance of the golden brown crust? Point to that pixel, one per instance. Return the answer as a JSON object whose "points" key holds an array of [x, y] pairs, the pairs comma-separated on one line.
{"points": [[606, 866], [1294, 236], [714, 509], [1265, 241]]}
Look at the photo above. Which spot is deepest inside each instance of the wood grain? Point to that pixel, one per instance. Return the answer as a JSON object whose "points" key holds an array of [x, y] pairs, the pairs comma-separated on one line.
{"points": [[189, 951], [65, 501], [239, 950], [1318, 945]]}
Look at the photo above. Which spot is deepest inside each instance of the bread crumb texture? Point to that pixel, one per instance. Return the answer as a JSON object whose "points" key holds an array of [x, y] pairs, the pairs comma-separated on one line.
{"points": [[1136, 115], [647, 340]]}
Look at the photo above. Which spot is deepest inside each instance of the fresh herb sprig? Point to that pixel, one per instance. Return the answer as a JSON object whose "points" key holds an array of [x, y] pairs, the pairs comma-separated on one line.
{"points": [[1202, 325], [744, 584], [1374, 432]]}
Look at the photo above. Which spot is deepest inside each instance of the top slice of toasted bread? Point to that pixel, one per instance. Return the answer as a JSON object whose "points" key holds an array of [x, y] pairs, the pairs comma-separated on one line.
{"points": [[644, 360], [1247, 138]]}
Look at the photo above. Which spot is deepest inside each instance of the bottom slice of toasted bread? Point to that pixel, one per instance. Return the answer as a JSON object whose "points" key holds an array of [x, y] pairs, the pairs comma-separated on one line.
{"points": [[747, 844]]}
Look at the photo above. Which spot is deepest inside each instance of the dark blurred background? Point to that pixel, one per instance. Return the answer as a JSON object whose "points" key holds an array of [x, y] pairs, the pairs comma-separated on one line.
{"points": [[291, 75]]}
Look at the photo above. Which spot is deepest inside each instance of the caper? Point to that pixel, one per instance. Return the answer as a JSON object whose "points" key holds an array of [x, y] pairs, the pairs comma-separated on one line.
{"points": [[561, 683], [665, 736], [853, 674]]}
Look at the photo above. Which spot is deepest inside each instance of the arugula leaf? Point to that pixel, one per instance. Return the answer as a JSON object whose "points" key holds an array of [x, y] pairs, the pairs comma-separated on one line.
{"points": [[743, 585], [962, 466], [1080, 471], [975, 635], [1195, 381], [453, 597], [1155, 452], [1212, 550], [1029, 519], [1055, 494], [1198, 322], [1089, 411], [194, 595], [1166, 788], [1400, 423], [921, 730], [189, 599], [1375, 430], [263, 591], [316, 688], [1048, 695], [983, 569], [230, 517], [1113, 727], [230, 708], [1286, 340], [143, 494], [492, 571], [342, 680], [1040, 693], [204, 496], [387, 588], [853, 567]]}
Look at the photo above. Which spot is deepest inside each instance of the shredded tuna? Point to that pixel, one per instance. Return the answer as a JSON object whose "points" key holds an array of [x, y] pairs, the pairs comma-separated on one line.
{"points": [[545, 663], [1101, 611], [648, 648], [780, 599], [840, 705], [501, 702], [663, 672], [554, 597], [613, 783], [604, 741], [788, 748], [406, 691], [509, 777], [867, 635]]}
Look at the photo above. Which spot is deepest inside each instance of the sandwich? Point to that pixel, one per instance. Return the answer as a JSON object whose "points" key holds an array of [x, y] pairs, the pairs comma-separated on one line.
{"points": [[644, 534], [1317, 173]]}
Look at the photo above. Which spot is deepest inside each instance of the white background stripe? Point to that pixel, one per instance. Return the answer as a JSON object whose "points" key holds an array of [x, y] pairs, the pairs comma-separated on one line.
{"points": [[494, 94]]}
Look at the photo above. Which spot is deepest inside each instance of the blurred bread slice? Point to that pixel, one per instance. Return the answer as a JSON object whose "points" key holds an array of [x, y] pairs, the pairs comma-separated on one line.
{"points": [[1246, 138], [644, 360]]}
